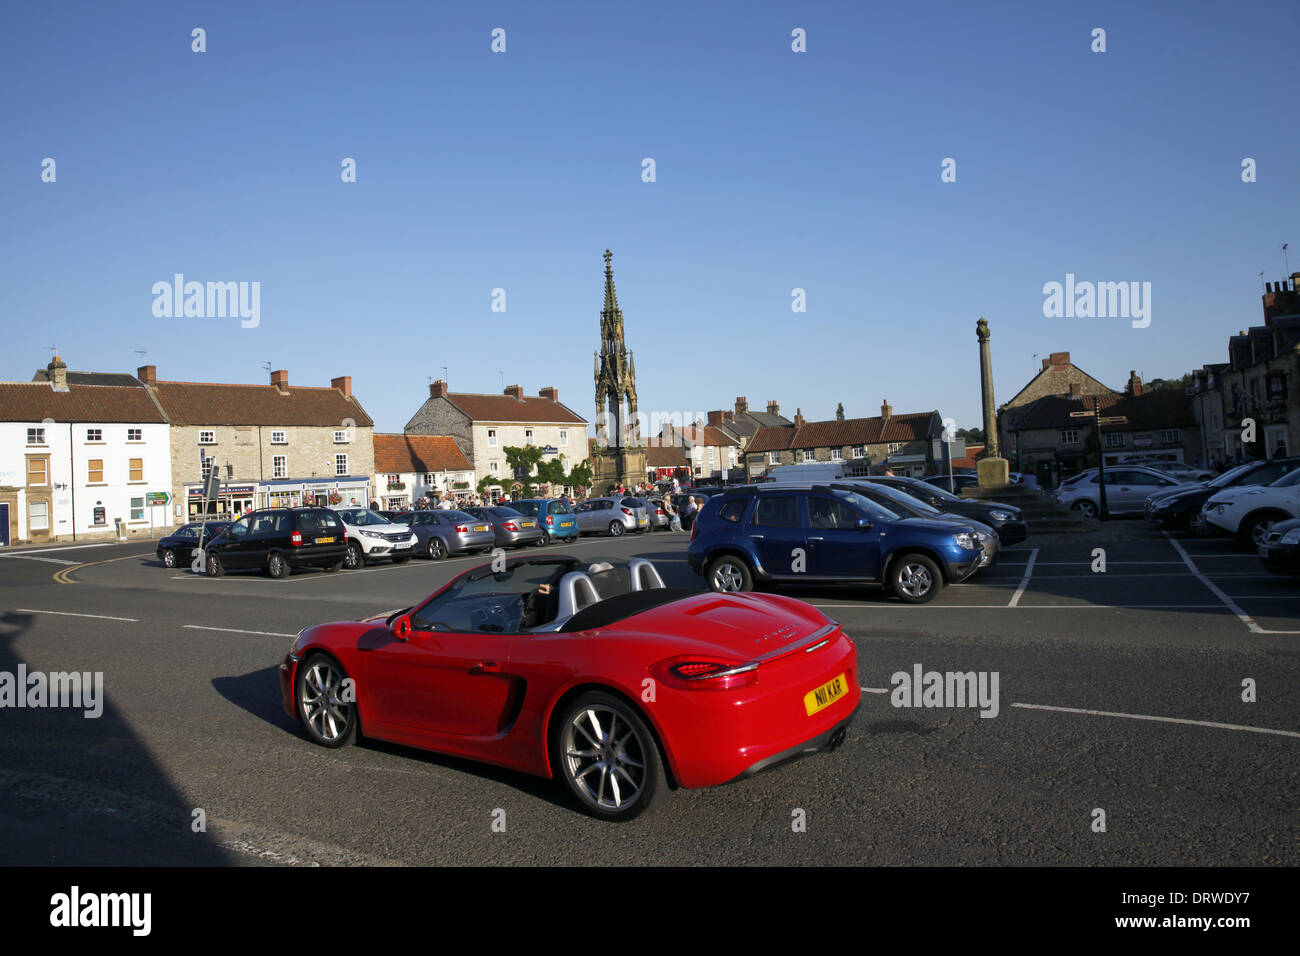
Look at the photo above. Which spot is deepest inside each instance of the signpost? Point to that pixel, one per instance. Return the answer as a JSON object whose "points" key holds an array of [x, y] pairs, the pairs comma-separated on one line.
{"points": [[1098, 421]]}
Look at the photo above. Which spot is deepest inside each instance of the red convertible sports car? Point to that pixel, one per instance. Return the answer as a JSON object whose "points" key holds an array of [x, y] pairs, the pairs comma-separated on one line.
{"points": [[597, 673]]}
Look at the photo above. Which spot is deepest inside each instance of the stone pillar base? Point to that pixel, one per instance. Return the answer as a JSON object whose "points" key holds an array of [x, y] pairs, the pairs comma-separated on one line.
{"points": [[993, 472]]}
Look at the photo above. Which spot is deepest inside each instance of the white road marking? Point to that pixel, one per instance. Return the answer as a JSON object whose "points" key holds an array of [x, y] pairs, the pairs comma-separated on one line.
{"points": [[874, 690], [1033, 607], [1166, 720], [102, 617], [235, 630], [70, 547], [28, 557], [1214, 589], [1024, 582]]}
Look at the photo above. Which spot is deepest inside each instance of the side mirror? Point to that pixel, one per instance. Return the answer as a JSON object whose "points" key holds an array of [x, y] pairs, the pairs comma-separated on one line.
{"points": [[401, 627], [865, 524]]}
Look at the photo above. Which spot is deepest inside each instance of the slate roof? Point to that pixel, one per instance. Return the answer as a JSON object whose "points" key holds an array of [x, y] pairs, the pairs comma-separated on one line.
{"points": [[201, 403], [121, 379], [399, 454], [37, 401], [1162, 408], [507, 408]]}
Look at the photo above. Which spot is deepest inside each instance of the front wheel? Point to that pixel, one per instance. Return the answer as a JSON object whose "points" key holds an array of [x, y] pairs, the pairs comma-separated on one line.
{"points": [[616, 528], [1253, 530], [1199, 526], [915, 579], [276, 566], [609, 758], [728, 573], [435, 549], [326, 702], [355, 558]]}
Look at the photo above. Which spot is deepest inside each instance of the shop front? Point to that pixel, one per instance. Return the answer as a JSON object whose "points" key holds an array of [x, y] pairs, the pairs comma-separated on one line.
{"points": [[233, 501], [237, 499]]}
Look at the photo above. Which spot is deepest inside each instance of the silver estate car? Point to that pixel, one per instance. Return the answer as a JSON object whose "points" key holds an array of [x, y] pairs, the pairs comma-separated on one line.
{"points": [[441, 533], [613, 515], [512, 529]]}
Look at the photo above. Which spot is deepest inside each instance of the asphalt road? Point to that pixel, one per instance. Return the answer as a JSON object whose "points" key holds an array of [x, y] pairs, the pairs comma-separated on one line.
{"points": [[192, 722]]}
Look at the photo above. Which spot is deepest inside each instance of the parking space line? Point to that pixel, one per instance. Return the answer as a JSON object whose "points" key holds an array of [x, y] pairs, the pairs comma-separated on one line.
{"points": [[1164, 720], [101, 617], [235, 630], [1037, 607], [1213, 588], [1024, 582], [71, 547], [30, 557]]}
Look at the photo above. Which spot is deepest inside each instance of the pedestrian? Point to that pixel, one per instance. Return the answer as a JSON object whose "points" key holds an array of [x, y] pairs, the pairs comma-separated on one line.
{"points": [[674, 519], [688, 511]]}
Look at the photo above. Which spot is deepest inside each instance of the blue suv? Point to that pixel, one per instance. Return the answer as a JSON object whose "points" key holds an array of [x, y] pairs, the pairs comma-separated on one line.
{"points": [[819, 534]]}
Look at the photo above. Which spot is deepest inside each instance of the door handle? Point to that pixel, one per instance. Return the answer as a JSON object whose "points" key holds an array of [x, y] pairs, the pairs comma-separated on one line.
{"points": [[757, 537], [816, 539], [486, 667]]}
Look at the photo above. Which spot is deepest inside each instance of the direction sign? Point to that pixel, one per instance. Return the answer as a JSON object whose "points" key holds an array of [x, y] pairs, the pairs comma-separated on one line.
{"points": [[157, 497], [1081, 414], [1113, 420]]}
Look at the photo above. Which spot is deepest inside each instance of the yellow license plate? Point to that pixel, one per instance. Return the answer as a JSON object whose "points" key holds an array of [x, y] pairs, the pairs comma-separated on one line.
{"points": [[480, 527], [530, 524], [566, 524], [324, 540], [827, 694]]}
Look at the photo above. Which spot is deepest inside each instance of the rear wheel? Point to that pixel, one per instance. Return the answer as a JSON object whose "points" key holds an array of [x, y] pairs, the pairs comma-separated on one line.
{"points": [[609, 758], [355, 558], [1253, 529], [1198, 526], [215, 570], [276, 566], [169, 558], [915, 579], [1085, 508], [326, 705], [728, 573], [616, 528]]}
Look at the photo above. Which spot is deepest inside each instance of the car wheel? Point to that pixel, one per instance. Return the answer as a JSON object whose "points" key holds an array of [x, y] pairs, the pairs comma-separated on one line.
{"points": [[330, 720], [169, 558], [1198, 526], [1085, 508], [215, 570], [616, 528], [915, 579], [609, 758], [356, 558], [1253, 530], [435, 549], [728, 573], [276, 566], [544, 540]]}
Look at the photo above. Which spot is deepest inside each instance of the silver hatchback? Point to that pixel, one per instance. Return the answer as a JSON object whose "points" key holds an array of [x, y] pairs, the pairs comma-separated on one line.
{"points": [[614, 515]]}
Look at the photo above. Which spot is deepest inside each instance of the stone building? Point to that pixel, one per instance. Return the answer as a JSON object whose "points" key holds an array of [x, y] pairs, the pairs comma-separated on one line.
{"points": [[710, 452], [741, 424], [909, 444]]}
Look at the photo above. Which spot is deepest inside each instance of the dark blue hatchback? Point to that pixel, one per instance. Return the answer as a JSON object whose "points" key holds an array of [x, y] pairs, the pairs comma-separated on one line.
{"points": [[818, 534]]}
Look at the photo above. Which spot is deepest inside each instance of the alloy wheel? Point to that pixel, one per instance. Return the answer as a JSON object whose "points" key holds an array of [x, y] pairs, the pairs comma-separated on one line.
{"points": [[169, 558], [322, 708], [605, 758], [727, 577], [914, 579]]}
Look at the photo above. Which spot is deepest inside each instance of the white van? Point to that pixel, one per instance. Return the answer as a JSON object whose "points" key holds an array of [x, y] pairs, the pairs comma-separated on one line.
{"points": [[809, 471]]}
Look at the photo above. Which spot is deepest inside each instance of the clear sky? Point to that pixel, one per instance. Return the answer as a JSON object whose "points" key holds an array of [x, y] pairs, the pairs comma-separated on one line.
{"points": [[775, 170]]}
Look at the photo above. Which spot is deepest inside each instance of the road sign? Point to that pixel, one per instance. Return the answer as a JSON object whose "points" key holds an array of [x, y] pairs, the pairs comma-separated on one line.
{"points": [[1081, 414], [1113, 420], [157, 497]]}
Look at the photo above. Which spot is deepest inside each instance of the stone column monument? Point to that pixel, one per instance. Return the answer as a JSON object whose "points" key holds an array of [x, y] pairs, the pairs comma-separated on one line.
{"points": [[992, 470]]}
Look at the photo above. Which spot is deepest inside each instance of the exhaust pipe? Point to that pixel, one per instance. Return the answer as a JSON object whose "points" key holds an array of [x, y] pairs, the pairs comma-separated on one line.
{"points": [[837, 738]]}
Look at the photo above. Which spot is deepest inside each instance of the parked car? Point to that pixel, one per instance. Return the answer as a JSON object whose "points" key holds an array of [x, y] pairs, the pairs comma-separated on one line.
{"points": [[742, 683], [1127, 488], [658, 516], [762, 533], [553, 516], [372, 536], [178, 548], [613, 515], [954, 485], [277, 541], [402, 516], [1279, 548], [910, 507], [1182, 508], [1007, 520], [440, 533], [512, 529], [1177, 470], [1249, 512]]}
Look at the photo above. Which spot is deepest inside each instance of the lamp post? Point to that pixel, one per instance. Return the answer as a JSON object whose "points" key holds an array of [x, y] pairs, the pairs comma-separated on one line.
{"points": [[1098, 421]]}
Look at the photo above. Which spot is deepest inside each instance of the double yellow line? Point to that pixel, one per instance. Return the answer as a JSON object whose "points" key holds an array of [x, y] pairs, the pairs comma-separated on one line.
{"points": [[63, 575]]}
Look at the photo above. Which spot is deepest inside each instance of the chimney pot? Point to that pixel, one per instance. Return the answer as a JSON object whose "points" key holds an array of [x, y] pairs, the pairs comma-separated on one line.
{"points": [[344, 384], [742, 405], [885, 409], [773, 408], [438, 388], [147, 374], [280, 379]]}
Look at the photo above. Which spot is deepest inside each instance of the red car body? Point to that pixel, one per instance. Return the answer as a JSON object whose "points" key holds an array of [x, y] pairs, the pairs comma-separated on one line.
{"points": [[494, 697]]}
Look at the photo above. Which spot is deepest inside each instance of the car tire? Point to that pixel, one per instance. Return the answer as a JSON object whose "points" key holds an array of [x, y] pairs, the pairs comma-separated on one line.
{"points": [[544, 540], [1085, 508], [915, 579], [616, 528], [214, 567], [727, 574], [356, 558], [328, 720], [169, 557], [603, 747], [435, 549], [1253, 529], [1198, 526], [276, 566]]}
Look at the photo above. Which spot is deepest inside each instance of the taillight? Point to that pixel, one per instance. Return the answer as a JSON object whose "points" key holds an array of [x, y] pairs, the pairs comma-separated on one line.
{"points": [[549, 521], [627, 511], [462, 528], [696, 673], [510, 526], [295, 539], [660, 512], [694, 525]]}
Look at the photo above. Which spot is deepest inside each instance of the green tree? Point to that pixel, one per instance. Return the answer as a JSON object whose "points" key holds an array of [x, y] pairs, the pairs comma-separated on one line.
{"points": [[581, 475], [973, 435], [839, 412]]}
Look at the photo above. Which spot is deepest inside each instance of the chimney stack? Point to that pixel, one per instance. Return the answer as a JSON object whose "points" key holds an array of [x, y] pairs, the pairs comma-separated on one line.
{"points": [[773, 408], [438, 389], [1060, 358], [886, 410], [730, 416], [148, 374], [58, 370], [516, 392], [280, 379], [1075, 390], [344, 384], [715, 418], [1134, 383], [798, 418], [742, 405], [551, 393]]}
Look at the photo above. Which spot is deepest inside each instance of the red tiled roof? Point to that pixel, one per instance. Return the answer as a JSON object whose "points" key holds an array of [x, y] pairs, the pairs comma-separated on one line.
{"points": [[37, 401], [202, 403], [399, 454], [690, 435], [852, 431], [507, 408]]}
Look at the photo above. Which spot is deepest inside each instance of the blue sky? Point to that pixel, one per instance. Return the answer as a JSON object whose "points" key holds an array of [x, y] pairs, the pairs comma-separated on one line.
{"points": [[775, 171]]}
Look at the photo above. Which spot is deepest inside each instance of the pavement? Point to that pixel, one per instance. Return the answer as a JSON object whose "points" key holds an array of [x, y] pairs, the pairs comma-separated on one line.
{"points": [[1120, 704]]}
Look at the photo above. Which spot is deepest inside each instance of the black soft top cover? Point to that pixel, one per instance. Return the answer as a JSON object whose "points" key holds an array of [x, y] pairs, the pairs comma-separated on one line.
{"points": [[619, 608]]}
